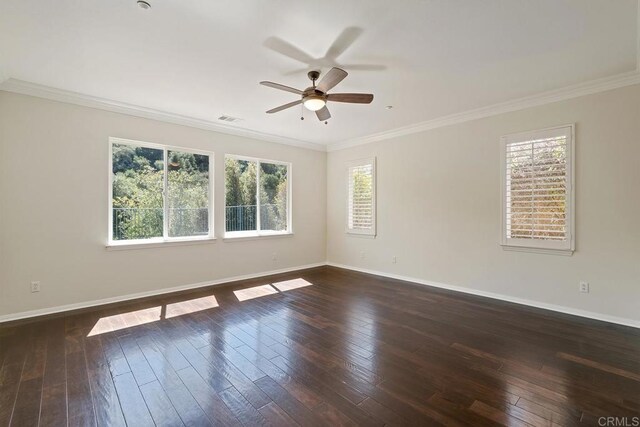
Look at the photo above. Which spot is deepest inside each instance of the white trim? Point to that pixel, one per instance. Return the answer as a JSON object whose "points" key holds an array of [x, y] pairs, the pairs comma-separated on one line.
{"points": [[545, 306], [61, 95], [569, 92], [103, 301], [124, 245], [241, 236], [522, 301], [546, 251]]}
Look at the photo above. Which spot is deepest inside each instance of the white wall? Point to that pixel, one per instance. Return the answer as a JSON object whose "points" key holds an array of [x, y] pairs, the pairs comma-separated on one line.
{"points": [[439, 208], [53, 213]]}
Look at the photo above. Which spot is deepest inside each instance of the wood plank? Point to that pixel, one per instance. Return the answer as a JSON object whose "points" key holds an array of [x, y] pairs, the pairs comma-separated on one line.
{"points": [[133, 404], [160, 407], [207, 398]]}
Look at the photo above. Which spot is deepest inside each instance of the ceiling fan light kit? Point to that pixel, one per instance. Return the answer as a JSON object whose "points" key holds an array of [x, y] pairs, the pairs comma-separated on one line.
{"points": [[315, 97], [314, 102]]}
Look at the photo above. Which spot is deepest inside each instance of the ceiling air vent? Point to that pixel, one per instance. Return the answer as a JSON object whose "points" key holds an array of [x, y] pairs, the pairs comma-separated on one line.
{"points": [[229, 119]]}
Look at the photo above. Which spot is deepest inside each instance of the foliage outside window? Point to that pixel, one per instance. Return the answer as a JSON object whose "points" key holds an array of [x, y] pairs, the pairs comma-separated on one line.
{"points": [[537, 190], [257, 197], [361, 201], [158, 193]]}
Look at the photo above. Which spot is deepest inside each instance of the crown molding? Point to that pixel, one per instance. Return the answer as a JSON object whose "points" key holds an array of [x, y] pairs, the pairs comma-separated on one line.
{"points": [[47, 92], [569, 92]]}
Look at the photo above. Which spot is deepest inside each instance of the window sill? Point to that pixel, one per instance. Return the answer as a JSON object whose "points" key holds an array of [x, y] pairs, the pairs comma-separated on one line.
{"points": [[124, 246], [546, 251], [361, 235], [242, 236]]}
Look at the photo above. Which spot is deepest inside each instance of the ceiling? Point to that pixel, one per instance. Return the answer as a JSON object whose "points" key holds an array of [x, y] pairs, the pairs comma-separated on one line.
{"points": [[204, 58]]}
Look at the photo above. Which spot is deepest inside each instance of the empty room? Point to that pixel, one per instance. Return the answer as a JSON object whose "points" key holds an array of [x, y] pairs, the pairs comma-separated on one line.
{"points": [[336, 213]]}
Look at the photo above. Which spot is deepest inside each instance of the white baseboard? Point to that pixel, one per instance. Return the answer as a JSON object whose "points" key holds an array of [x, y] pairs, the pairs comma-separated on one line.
{"points": [[94, 303], [553, 307]]}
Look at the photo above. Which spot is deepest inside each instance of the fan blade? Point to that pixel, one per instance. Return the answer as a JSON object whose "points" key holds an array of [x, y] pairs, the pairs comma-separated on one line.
{"points": [[287, 49], [323, 114], [343, 42], [365, 67], [332, 78], [353, 98], [284, 107], [282, 87]]}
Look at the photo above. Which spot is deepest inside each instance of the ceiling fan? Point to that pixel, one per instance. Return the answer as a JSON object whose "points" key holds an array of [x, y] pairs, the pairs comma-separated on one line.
{"points": [[315, 97], [343, 42]]}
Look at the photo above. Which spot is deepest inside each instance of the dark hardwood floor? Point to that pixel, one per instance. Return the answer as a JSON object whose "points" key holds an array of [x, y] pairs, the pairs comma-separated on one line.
{"points": [[347, 349]]}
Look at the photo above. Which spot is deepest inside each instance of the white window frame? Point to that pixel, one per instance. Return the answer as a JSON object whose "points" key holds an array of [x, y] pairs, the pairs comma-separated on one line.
{"points": [[372, 231], [250, 234], [567, 246], [165, 240]]}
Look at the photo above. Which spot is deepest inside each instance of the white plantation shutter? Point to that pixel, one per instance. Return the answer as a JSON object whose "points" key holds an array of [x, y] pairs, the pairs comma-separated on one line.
{"points": [[537, 189], [361, 198]]}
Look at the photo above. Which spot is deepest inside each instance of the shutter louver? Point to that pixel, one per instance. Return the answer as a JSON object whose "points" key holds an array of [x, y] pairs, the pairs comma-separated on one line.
{"points": [[361, 197], [537, 189]]}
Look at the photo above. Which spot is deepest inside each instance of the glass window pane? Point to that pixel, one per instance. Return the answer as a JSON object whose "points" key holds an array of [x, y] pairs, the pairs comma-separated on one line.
{"points": [[138, 179], [240, 185], [273, 197], [187, 194]]}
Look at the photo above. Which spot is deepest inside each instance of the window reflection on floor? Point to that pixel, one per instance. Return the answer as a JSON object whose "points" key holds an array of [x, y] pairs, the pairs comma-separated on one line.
{"points": [[140, 317]]}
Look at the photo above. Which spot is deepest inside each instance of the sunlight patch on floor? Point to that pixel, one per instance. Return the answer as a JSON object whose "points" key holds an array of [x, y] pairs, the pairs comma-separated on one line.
{"points": [[255, 292], [180, 308], [126, 320], [288, 285], [191, 306]]}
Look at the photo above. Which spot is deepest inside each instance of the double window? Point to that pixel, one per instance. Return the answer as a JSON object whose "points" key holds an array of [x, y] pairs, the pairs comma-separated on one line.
{"points": [[257, 197], [162, 194], [537, 190], [158, 193]]}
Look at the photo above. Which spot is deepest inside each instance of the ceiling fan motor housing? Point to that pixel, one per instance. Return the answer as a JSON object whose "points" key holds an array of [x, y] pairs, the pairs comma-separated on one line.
{"points": [[313, 99]]}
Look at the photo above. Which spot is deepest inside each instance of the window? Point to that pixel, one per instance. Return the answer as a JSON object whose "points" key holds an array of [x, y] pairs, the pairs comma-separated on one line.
{"points": [[537, 190], [361, 203], [158, 193], [258, 197]]}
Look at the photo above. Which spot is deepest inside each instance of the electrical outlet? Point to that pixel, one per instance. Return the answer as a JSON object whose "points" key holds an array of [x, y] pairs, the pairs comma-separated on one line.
{"points": [[35, 287], [584, 287], [274, 256], [362, 255], [394, 260]]}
